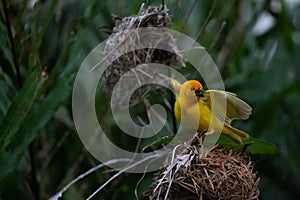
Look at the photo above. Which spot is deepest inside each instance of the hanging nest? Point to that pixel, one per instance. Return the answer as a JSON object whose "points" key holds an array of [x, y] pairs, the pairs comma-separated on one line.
{"points": [[219, 174], [124, 39]]}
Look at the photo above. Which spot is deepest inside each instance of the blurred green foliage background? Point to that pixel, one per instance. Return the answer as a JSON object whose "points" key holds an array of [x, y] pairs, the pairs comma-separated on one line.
{"points": [[255, 44]]}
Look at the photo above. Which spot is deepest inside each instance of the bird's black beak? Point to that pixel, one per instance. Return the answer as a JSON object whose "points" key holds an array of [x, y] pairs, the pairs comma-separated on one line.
{"points": [[199, 92]]}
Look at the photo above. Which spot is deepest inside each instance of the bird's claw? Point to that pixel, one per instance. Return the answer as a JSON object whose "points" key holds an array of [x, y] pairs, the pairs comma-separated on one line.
{"points": [[208, 133]]}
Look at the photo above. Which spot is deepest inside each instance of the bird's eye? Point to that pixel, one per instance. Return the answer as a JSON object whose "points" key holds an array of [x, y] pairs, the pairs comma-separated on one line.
{"points": [[192, 89]]}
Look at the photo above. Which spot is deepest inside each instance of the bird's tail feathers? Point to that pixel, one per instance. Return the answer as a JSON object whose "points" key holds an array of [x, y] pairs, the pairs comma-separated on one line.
{"points": [[235, 134]]}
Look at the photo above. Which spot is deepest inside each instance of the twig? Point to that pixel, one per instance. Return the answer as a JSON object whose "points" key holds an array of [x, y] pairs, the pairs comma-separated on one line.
{"points": [[111, 52], [188, 15], [120, 172], [138, 183], [35, 184], [74, 167], [212, 46], [176, 7], [245, 147], [51, 154], [81, 176], [207, 20]]}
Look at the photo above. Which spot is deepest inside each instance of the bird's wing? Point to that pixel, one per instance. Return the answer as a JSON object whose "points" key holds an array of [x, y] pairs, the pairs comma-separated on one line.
{"points": [[235, 108], [177, 110], [176, 86]]}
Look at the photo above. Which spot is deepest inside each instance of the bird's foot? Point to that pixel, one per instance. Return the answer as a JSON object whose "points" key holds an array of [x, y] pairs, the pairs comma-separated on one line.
{"points": [[208, 133], [197, 138]]}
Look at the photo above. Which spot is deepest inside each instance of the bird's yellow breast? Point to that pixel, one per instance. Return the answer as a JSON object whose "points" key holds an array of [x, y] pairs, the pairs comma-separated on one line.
{"points": [[195, 116]]}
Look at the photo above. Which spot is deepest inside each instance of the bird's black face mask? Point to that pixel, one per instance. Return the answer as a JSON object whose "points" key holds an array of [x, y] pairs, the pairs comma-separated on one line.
{"points": [[199, 92]]}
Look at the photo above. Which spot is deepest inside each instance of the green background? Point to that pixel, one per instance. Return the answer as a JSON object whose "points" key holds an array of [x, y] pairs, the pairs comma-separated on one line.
{"points": [[40, 151]]}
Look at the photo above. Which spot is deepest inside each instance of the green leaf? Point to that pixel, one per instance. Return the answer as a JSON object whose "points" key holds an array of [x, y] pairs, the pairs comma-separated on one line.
{"points": [[40, 114], [254, 146], [157, 144], [7, 91], [262, 147], [8, 161], [13, 121], [18, 110], [44, 110], [5, 44]]}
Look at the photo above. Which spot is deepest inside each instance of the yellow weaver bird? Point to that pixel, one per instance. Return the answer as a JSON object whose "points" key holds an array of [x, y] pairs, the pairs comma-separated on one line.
{"points": [[193, 107]]}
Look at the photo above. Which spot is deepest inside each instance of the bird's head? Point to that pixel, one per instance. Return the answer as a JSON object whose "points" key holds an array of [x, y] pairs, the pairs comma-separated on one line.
{"points": [[191, 88]]}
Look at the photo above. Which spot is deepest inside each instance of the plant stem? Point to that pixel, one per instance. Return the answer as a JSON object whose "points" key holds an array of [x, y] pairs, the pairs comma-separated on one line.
{"points": [[35, 185]]}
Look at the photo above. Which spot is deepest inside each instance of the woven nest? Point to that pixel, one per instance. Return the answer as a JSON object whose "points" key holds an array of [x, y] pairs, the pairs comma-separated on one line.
{"points": [[124, 39], [219, 174]]}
